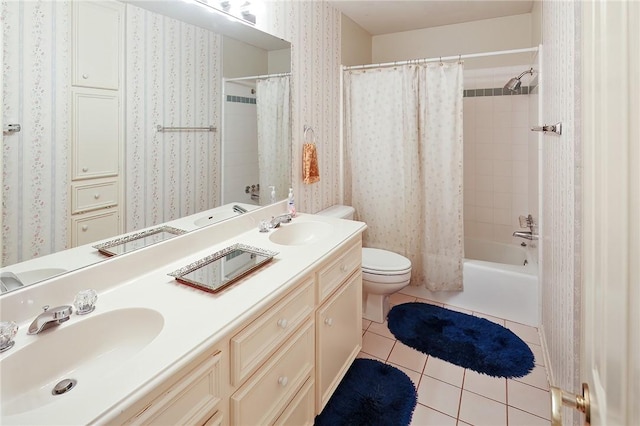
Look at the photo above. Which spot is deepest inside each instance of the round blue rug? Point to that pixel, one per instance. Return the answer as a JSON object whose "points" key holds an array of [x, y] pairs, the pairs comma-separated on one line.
{"points": [[461, 339], [371, 393]]}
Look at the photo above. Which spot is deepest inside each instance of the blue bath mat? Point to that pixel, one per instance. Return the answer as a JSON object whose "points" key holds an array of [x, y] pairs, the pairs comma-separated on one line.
{"points": [[371, 393], [461, 339]]}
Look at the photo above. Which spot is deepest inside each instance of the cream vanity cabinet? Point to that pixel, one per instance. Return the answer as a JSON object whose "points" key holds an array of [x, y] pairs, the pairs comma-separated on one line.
{"points": [[97, 120], [281, 366]]}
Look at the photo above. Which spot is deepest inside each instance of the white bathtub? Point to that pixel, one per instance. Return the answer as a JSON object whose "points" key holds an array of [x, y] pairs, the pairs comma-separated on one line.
{"points": [[497, 281]]}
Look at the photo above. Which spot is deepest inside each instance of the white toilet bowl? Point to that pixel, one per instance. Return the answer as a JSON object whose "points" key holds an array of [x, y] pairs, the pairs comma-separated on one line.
{"points": [[383, 272]]}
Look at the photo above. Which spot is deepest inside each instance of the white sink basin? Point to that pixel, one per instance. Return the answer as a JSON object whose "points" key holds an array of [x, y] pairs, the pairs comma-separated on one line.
{"points": [[300, 233], [88, 351]]}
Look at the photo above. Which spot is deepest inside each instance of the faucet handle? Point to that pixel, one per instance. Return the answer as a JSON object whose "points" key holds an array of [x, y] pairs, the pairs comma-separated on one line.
{"points": [[85, 301], [526, 221], [8, 330]]}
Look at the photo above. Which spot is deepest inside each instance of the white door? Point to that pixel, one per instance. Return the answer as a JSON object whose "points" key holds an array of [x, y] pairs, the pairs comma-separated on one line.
{"points": [[610, 358]]}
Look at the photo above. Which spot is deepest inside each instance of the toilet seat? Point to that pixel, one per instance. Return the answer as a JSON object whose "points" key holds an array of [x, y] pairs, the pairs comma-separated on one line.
{"points": [[384, 263]]}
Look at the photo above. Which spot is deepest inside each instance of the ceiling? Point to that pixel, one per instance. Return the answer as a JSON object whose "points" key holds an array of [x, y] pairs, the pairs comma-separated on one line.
{"points": [[391, 16]]}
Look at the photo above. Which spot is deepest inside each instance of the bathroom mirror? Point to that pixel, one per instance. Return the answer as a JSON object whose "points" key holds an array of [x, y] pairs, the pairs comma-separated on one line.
{"points": [[237, 44]]}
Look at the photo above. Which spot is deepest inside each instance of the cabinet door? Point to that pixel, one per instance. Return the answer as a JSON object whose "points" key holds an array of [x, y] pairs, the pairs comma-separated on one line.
{"points": [[92, 227], [339, 337], [97, 44], [96, 134]]}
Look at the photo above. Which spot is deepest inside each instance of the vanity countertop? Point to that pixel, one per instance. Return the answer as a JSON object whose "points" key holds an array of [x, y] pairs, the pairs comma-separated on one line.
{"points": [[194, 320]]}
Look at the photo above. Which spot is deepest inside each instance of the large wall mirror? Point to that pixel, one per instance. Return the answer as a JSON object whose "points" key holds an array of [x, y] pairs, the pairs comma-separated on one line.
{"points": [[185, 64]]}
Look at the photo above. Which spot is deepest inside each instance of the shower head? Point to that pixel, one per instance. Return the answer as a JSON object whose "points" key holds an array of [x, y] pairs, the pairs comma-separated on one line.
{"points": [[514, 84]]}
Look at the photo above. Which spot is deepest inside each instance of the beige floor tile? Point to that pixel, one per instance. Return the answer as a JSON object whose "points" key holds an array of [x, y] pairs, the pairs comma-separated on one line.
{"points": [[382, 329], [425, 416], [537, 378], [376, 345], [517, 417], [525, 332], [455, 308], [367, 356], [537, 353], [365, 323], [490, 318], [399, 298], [445, 371], [487, 386], [480, 411], [528, 398], [430, 302], [407, 357], [439, 395], [413, 375]]}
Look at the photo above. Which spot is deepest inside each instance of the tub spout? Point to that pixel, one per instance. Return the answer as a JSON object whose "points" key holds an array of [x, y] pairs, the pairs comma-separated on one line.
{"points": [[526, 235]]}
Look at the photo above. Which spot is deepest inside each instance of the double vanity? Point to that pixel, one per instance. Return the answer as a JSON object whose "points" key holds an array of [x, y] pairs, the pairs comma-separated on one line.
{"points": [[268, 349]]}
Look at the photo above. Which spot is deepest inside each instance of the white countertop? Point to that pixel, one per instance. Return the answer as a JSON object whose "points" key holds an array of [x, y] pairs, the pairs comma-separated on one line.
{"points": [[194, 320]]}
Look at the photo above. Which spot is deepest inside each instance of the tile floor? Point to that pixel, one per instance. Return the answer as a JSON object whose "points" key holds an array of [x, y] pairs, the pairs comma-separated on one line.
{"points": [[452, 395]]}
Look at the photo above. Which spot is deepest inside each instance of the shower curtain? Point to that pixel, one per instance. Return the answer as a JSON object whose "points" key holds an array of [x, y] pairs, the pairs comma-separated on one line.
{"points": [[403, 165], [274, 136]]}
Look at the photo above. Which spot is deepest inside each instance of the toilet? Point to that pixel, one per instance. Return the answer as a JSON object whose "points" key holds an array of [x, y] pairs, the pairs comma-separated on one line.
{"points": [[383, 272]]}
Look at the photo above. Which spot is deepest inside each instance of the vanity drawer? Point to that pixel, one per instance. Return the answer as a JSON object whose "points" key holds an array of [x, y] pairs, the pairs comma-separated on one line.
{"points": [[265, 395], [92, 196], [254, 343], [331, 276], [191, 400], [301, 410]]}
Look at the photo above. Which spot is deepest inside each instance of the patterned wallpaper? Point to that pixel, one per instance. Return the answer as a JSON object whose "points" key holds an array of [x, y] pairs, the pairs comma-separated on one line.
{"points": [[561, 200], [172, 70], [35, 186], [313, 28]]}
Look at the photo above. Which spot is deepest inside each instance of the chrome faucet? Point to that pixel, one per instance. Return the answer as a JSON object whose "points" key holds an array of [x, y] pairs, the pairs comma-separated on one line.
{"points": [[239, 209], [50, 318], [525, 234], [527, 222], [277, 220]]}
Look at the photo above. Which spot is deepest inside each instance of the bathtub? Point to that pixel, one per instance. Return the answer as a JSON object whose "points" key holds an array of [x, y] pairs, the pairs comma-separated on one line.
{"points": [[499, 280]]}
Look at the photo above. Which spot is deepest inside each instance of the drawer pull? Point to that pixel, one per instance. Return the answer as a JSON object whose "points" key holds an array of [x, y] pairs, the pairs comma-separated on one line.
{"points": [[343, 268], [283, 380], [282, 323], [85, 169], [85, 227], [328, 321], [96, 196], [85, 76]]}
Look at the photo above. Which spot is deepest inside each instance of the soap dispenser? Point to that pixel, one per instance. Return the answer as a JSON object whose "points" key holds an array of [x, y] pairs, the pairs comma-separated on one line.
{"points": [[291, 207], [273, 194]]}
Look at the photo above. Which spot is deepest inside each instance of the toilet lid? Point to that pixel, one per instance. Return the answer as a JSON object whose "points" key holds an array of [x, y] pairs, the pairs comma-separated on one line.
{"points": [[377, 260]]}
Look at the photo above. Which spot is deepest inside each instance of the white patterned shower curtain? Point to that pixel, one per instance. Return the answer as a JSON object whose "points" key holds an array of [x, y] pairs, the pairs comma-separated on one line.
{"points": [[274, 136], [403, 165]]}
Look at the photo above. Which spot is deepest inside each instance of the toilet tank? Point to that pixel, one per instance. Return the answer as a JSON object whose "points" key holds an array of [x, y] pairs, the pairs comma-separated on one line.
{"points": [[338, 211]]}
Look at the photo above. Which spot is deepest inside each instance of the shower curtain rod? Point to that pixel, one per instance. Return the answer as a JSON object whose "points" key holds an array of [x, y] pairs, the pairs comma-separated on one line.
{"points": [[256, 77], [441, 58]]}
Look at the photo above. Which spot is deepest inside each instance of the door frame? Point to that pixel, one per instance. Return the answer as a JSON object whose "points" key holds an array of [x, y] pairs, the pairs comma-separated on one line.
{"points": [[611, 209]]}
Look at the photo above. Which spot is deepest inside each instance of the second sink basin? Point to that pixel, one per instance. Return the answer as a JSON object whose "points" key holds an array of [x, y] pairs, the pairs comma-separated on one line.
{"points": [[300, 233], [86, 351]]}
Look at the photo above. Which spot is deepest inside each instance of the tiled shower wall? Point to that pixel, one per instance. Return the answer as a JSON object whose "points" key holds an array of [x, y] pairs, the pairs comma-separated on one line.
{"points": [[240, 154], [497, 172]]}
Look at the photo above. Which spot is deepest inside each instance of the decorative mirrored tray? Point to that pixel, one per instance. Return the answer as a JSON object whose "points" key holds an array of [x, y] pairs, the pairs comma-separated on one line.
{"points": [[223, 268], [138, 240]]}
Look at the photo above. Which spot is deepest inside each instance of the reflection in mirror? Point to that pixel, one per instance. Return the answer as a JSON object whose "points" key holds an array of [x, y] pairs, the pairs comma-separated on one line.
{"points": [[173, 69]]}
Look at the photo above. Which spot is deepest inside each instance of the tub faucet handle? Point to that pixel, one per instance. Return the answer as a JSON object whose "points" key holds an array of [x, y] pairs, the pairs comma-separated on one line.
{"points": [[526, 221]]}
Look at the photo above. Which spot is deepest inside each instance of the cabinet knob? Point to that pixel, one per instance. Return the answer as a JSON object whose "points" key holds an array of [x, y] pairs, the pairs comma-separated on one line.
{"points": [[96, 196], [85, 76], [85, 227], [283, 380], [85, 169], [328, 321], [282, 323]]}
